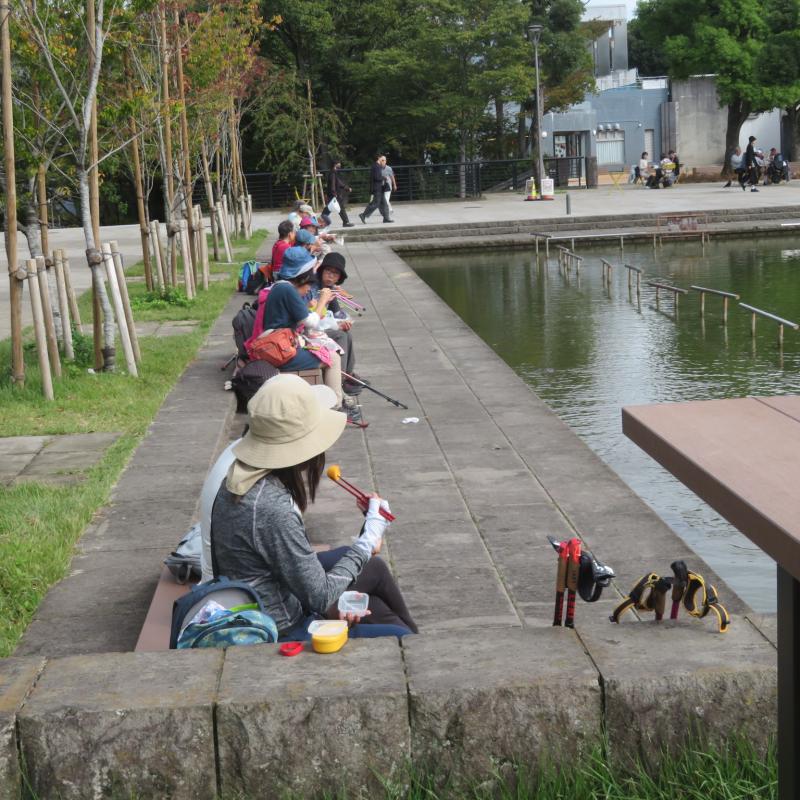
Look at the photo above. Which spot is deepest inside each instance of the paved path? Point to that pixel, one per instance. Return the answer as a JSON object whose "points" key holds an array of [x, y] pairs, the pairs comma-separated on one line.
{"points": [[55, 460]]}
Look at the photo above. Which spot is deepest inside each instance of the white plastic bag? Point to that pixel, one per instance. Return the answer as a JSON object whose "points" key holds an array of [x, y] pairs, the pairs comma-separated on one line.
{"points": [[333, 206]]}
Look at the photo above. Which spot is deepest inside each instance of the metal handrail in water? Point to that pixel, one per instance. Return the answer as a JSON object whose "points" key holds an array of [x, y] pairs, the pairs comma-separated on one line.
{"points": [[761, 313]]}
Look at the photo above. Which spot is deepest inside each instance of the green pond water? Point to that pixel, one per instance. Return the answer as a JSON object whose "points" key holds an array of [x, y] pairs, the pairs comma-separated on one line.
{"points": [[588, 349]]}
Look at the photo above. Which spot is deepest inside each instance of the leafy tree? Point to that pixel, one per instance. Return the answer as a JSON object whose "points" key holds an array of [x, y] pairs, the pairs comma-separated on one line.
{"points": [[646, 55]]}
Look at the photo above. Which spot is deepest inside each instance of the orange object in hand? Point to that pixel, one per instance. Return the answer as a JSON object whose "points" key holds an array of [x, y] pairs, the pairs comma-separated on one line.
{"points": [[334, 472]]}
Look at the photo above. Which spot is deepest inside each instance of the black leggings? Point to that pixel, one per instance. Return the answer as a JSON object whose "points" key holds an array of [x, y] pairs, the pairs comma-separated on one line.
{"points": [[386, 601]]}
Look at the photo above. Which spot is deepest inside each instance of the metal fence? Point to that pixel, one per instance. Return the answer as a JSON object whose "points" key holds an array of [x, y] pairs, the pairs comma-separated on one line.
{"points": [[423, 181]]}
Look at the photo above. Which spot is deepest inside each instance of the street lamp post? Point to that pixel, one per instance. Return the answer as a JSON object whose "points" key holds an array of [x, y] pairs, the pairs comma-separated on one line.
{"points": [[534, 32]]}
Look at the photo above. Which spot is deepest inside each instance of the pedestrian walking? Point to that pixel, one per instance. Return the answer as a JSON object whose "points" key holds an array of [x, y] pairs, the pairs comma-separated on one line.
{"points": [[339, 191], [389, 185], [737, 161], [377, 201], [751, 165]]}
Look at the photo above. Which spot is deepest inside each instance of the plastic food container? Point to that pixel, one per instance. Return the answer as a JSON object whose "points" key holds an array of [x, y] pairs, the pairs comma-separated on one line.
{"points": [[328, 635], [353, 603]]}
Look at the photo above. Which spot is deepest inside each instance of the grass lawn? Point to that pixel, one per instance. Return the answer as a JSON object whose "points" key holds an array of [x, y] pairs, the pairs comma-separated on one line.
{"points": [[40, 524]]}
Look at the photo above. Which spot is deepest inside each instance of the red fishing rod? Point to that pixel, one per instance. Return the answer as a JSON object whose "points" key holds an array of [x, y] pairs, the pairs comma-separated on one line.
{"points": [[334, 472]]}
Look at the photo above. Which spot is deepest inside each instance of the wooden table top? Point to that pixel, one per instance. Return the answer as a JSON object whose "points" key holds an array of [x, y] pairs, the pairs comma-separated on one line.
{"points": [[741, 456]]}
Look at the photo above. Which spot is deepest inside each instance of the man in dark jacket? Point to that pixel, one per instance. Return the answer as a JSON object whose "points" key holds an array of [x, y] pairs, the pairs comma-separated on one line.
{"points": [[376, 187], [338, 190], [750, 165]]}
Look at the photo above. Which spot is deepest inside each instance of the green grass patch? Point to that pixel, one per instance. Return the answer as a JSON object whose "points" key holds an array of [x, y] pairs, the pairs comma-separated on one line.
{"points": [[736, 771], [40, 524]]}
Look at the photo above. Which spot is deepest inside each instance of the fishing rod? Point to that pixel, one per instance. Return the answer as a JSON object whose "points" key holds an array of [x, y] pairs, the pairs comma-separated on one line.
{"points": [[372, 389], [334, 472]]}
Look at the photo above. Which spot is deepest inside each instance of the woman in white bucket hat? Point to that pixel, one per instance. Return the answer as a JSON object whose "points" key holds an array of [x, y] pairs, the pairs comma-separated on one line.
{"points": [[257, 531]]}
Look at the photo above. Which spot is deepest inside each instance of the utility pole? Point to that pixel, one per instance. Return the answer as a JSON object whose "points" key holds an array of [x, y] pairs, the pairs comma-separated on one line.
{"points": [[534, 33]]}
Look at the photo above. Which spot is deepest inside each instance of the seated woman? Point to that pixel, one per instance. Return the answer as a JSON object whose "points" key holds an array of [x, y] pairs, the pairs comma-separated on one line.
{"points": [[285, 308], [257, 531]]}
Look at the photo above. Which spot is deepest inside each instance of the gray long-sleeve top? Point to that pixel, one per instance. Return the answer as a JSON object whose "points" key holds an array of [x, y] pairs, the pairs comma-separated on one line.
{"points": [[262, 540]]}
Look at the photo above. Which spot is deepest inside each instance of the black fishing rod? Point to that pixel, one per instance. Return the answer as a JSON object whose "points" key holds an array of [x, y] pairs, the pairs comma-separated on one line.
{"points": [[372, 389]]}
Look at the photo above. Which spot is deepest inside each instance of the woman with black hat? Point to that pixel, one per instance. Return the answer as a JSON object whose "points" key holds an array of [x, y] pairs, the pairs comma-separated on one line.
{"points": [[330, 274]]}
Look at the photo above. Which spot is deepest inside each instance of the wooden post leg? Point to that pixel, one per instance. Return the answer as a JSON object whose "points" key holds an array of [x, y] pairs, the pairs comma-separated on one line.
{"points": [[788, 693]]}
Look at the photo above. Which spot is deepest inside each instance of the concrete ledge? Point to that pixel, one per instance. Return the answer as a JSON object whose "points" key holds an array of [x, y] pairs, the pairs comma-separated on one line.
{"points": [[312, 723], [17, 678], [123, 724], [679, 680], [482, 698]]}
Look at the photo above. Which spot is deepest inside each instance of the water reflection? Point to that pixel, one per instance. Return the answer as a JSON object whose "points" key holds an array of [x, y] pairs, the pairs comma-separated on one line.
{"points": [[588, 347]]}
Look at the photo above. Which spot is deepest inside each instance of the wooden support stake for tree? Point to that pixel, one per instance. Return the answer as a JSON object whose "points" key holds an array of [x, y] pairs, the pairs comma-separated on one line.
{"points": [[243, 213], [188, 272], [126, 301], [227, 215], [158, 254], [63, 305], [234, 157], [220, 211], [38, 329], [41, 191], [202, 243], [250, 213], [15, 284], [210, 200], [119, 310], [47, 315], [74, 311]]}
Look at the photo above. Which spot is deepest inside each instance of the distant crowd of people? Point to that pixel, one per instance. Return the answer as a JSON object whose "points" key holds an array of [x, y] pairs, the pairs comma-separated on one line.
{"points": [[662, 173], [753, 168]]}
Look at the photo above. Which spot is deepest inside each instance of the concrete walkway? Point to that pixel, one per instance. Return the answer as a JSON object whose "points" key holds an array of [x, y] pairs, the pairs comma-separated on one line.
{"points": [[477, 484]]}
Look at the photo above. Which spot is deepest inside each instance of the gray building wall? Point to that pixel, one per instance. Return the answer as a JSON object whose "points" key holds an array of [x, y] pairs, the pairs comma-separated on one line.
{"points": [[632, 108], [701, 122], [610, 49]]}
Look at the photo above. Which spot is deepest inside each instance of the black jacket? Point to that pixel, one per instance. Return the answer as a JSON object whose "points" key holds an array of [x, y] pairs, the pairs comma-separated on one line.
{"points": [[336, 185], [376, 178]]}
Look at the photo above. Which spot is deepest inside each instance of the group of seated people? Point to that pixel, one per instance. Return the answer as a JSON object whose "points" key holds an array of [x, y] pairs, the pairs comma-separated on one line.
{"points": [[766, 169], [253, 502], [662, 173], [305, 278]]}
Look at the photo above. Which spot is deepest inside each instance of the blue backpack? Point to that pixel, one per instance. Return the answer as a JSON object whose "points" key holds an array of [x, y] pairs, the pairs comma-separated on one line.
{"points": [[246, 271], [241, 620]]}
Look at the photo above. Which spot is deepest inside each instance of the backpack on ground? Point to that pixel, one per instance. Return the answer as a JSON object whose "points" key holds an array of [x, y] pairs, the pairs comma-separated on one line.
{"points": [[245, 273], [220, 613], [243, 324], [255, 282], [184, 561], [249, 379]]}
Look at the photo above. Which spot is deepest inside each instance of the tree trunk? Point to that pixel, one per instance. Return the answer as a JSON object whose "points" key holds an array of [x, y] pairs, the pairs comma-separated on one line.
{"points": [[499, 127], [792, 119], [521, 135], [738, 113], [96, 266]]}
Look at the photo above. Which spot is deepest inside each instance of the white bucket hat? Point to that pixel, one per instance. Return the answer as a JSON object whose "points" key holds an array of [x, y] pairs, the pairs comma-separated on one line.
{"points": [[288, 424]]}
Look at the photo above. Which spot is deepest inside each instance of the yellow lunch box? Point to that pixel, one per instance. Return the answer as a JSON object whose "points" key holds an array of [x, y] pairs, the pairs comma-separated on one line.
{"points": [[328, 635]]}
